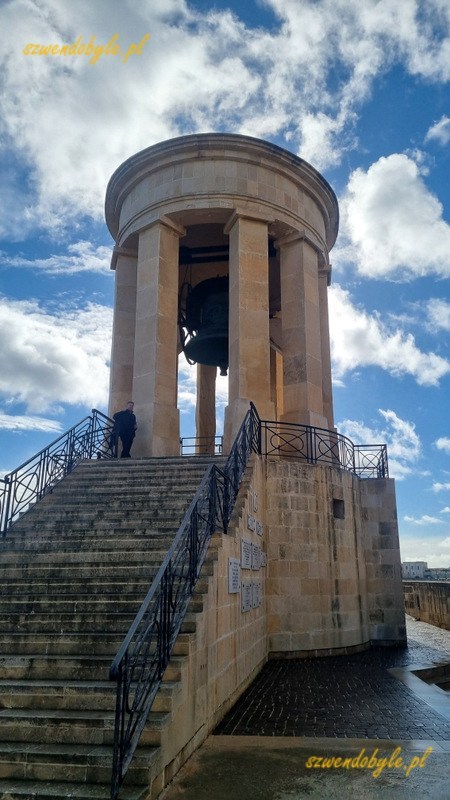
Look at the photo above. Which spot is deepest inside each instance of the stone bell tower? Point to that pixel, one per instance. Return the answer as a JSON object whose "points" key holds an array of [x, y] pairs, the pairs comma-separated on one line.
{"points": [[222, 251], [209, 228]]}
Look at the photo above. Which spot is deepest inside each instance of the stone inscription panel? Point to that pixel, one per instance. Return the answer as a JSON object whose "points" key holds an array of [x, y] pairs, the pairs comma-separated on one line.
{"points": [[256, 557], [234, 575], [256, 594], [246, 554], [247, 596]]}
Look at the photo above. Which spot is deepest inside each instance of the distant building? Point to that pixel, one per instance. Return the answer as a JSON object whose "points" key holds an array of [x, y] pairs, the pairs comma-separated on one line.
{"points": [[437, 574], [414, 569]]}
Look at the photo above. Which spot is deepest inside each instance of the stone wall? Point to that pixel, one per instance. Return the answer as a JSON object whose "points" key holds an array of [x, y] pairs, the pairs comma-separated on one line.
{"points": [[428, 601], [229, 645], [382, 558], [334, 579]]}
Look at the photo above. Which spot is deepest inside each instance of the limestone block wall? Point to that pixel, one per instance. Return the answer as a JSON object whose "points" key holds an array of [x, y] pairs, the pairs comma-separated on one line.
{"points": [[333, 580], [428, 601], [316, 585], [383, 565], [229, 646]]}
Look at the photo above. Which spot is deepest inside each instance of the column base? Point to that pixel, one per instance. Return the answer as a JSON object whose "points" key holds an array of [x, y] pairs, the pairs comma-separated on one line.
{"points": [[158, 432], [234, 416], [306, 418]]}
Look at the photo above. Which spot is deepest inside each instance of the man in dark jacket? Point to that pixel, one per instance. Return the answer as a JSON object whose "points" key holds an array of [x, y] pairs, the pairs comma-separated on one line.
{"points": [[125, 427]]}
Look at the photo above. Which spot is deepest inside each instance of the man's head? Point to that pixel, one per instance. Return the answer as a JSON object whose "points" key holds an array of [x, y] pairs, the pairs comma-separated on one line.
{"points": [[130, 405]]}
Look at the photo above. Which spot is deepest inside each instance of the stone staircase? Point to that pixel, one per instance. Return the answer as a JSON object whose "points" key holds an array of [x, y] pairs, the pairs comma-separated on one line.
{"points": [[73, 572]]}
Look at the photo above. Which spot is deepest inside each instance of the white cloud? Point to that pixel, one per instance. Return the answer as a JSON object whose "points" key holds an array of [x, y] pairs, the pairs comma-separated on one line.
{"points": [[361, 340], [431, 548], [438, 312], [441, 487], [445, 510], [403, 443], [51, 358], [392, 225], [424, 520], [443, 443], [440, 131], [9, 422], [80, 257], [302, 80]]}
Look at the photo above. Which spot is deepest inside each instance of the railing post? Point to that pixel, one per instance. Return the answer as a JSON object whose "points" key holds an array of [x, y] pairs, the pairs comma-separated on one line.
{"points": [[92, 432], [7, 504]]}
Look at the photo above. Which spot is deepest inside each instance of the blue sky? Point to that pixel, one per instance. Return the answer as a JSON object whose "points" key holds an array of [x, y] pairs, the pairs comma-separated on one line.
{"points": [[359, 88]]}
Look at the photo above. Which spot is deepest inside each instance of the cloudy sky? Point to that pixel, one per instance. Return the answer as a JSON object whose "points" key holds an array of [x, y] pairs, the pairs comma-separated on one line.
{"points": [[359, 88]]}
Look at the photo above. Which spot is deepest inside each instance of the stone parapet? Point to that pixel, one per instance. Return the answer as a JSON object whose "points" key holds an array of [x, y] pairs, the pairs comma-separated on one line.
{"points": [[428, 601]]}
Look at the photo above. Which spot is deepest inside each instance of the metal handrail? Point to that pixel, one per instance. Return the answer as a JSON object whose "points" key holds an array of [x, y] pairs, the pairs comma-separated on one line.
{"points": [[201, 445], [35, 478], [321, 446], [141, 661]]}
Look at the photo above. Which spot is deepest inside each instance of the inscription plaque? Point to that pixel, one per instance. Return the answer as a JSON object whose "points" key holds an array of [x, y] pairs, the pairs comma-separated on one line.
{"points": [[246, 554], [256, 594], [234, 575], [247, 596], [251, 523], [256, 556]]}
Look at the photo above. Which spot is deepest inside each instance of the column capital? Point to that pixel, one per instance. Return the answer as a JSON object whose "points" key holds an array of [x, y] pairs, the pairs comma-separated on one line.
{"points": [[242, 213], [166, 222], [128, 252], [301, 235], [325, 272]]}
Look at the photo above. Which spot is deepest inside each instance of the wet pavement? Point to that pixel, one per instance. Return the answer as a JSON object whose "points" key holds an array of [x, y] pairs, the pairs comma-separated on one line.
{"points": [[360, 726]]}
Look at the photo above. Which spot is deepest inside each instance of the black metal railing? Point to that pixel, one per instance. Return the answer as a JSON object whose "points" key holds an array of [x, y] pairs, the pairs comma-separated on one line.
{"points": [[322, 446], [201, 445], [144, 654], [90, 438]]}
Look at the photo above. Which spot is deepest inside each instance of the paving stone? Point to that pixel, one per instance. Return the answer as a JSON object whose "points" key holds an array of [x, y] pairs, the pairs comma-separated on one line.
{"points": [[353, 696]]}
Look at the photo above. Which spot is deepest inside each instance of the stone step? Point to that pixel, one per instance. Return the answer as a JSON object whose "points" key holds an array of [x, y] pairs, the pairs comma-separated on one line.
{"points": [[43, 643], [139, 499], [140, 524], [93, 543], [32, 590], [85, 571], [65, 623], [41, 668], [81, 570], [74, 695], [73, 667], [81, 556], [141, 489], [115, 616], [97, 513], [72, 727], [69, 762], [64, 607], [36, 790]]}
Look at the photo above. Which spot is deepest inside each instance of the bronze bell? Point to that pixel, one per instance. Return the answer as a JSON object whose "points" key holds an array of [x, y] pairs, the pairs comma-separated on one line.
{"points": [[206, 320]]}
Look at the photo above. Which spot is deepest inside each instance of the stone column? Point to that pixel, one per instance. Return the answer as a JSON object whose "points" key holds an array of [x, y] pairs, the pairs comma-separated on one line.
{"points": [[327, 387], [249, 342], [122, 352], [301, 332], [155, 355], [205, 414]]}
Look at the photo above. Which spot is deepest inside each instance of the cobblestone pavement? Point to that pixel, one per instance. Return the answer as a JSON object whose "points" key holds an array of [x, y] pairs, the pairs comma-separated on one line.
{"points": [[346, 696]]}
